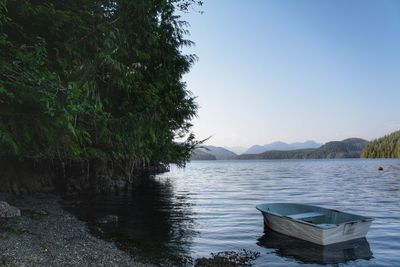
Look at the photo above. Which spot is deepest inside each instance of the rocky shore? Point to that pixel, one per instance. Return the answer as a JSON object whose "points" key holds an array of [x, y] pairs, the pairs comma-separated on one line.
{"points": [[46, 235]]}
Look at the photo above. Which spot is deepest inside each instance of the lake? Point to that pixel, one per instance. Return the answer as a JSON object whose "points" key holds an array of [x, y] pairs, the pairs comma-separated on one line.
{"points": [[210, 207]]}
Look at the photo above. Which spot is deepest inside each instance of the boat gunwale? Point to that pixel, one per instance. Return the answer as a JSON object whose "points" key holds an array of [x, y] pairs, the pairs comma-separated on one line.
{"points": [[366, 219]]}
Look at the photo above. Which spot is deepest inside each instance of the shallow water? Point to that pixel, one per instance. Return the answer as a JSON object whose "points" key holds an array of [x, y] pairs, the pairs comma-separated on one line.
{"points": [[210, 206]]}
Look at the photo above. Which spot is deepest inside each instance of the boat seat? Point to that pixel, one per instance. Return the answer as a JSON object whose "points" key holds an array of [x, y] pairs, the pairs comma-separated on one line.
{"points": [[300, 216], [326, 225]]}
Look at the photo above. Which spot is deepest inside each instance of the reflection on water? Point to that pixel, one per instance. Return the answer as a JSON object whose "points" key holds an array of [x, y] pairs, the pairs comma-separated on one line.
{"points": [[307, 252], [153, 222], [210, 207]]}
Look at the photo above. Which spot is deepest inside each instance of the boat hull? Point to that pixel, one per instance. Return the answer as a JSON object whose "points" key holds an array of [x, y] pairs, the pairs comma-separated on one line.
{"points": [[321, 234], [314, 234]]}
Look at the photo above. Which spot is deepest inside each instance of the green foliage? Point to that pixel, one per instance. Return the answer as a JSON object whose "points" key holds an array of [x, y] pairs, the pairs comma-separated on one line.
{"points": [[384, 147], [87, 80]]}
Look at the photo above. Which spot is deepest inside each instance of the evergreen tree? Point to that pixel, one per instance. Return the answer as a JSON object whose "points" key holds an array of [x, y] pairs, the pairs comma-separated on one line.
{"points": [[384, 147], [95, 80]]}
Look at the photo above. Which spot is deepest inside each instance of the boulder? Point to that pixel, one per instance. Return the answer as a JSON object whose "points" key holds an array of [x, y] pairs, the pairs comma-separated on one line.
{"points": [[7, 211]]}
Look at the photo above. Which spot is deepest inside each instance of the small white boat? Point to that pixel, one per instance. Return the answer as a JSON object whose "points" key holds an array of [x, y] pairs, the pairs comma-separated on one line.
{"points": [[314, 224]]}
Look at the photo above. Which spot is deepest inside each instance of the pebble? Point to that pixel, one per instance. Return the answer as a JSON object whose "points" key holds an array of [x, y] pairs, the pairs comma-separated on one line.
{"points": [[55, 238]]}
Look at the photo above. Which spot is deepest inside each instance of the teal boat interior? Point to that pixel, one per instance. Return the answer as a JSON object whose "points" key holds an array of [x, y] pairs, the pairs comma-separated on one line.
{"points": [[321, 217]]}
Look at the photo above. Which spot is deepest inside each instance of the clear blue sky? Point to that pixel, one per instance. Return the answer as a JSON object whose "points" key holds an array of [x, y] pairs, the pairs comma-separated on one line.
{"points": [[295, 70]]}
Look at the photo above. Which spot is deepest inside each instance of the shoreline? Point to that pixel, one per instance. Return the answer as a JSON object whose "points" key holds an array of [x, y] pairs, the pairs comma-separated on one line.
{"points": [[47, 235]]}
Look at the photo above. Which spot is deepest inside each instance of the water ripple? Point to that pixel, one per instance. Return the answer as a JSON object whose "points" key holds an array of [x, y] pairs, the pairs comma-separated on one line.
{"points": [[210, 206], [224, 194]]}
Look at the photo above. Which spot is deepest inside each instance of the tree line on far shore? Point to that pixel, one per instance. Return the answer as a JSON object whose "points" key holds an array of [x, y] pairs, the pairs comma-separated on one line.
{"points": [[384, 147]]}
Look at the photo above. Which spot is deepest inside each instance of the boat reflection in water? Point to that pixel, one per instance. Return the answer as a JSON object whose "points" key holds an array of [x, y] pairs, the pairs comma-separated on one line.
{"points": [[307, 252]]}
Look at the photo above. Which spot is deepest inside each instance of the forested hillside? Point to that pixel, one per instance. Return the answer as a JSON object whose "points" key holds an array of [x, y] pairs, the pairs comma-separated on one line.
{"points": [[218, 153], [200, 154], [385, 147], [348, 148], [84, 81]]}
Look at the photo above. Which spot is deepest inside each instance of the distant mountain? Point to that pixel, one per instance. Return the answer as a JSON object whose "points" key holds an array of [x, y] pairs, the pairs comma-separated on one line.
{"points": [[348, 148], [219, 153], [199, 154], [384, 147], [306, 144], [256, 149], [237, 149]]}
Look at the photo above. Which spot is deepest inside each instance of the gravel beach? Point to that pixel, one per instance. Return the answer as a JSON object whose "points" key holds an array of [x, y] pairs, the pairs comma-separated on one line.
{"points": [[47, 235]]}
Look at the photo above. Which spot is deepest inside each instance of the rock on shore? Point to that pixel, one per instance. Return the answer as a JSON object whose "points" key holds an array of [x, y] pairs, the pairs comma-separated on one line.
{"points": [[7, 211], [46, 235]]}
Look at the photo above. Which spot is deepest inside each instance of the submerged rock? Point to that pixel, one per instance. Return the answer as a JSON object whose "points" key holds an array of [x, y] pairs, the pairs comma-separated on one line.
{"points": [[7, 211], [108, 219], [229, 259], [34, 213]]}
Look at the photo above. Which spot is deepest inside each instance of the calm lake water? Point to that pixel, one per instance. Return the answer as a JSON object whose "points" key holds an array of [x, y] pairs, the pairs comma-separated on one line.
{"points": [[210, 206]]}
